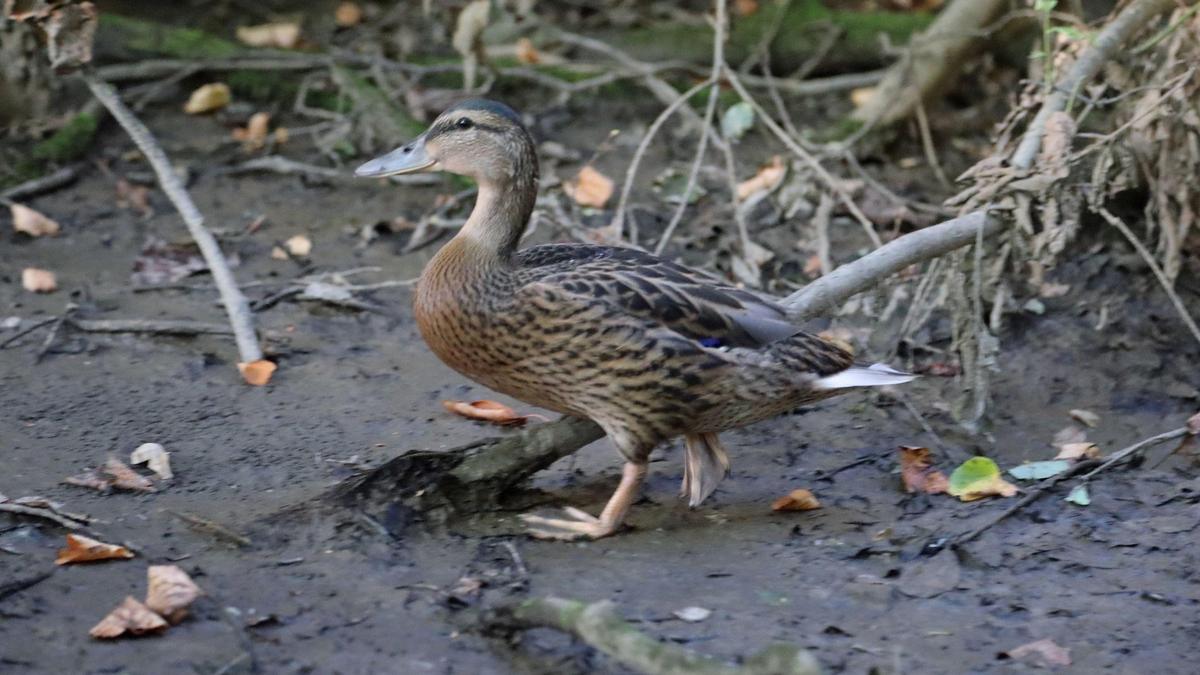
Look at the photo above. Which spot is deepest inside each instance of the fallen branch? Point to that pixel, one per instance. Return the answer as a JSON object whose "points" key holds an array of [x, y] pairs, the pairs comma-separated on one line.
{"points": [[151, 326], [45, 513], [236, 305], [598, 625], [41, 184], [933, 56], [17, 585]]}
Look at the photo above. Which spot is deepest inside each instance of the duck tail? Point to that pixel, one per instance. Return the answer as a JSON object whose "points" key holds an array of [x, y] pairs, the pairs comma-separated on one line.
{"points": [[705, 463], [876, 375]]}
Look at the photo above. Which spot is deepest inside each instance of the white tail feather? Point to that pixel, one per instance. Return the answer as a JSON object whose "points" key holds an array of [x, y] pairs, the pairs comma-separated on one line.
{"points": [[876, 375]]}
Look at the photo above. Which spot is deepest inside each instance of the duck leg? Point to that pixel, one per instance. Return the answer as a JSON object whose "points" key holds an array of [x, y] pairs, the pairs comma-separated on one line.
{"points": [[581, 524]]}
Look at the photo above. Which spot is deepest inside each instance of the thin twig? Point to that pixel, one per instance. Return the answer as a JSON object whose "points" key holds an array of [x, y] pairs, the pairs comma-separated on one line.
{"points": [[211, 527], [618, 221], [36, 512], [41, 184], [1124, 453], [17, 585], [236, 305], [53, 334], [1035, 493], [27, 330], [1158, 273], [150, 326]]}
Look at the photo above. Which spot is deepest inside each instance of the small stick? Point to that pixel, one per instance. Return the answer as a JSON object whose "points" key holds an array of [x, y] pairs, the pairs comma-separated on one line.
{"points": [[236, 305], [42, 184], [16, 586], [210, 527], [1135, 448], [516, 558], [1035, 494], [53, 334], [151, 326], [36, 512]]}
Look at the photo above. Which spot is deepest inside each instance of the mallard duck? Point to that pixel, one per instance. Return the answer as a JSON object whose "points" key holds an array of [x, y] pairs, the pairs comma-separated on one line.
{"points": [[648, 349]]}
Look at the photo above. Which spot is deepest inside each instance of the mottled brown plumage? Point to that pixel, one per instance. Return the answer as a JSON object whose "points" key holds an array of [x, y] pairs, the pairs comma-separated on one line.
{"points": [[648, 349]]}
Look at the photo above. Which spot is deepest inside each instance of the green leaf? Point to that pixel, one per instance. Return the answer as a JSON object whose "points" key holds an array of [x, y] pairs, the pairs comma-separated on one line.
{"points": [[1039, 470], [1045, 6], [1079, 495], [737, 120], [979, 477], [672, 184]]}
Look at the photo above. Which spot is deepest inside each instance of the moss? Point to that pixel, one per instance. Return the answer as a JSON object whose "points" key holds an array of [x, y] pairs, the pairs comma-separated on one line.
{"points": [[155, 38], [69, 142], [840, 130], [798, 22]]}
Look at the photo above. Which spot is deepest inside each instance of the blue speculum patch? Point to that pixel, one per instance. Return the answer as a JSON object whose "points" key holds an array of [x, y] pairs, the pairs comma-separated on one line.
{"points": [[710, 342]]}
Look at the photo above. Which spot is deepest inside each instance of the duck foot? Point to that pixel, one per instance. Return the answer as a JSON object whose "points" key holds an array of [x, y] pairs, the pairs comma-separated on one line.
{"points": [[580, 524]]}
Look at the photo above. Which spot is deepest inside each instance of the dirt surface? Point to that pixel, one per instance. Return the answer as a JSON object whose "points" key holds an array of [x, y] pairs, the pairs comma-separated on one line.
{"points": [[863, 582]]}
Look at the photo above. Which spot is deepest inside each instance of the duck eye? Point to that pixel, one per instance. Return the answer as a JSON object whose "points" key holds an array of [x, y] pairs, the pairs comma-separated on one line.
{"points": [[464, 123]]}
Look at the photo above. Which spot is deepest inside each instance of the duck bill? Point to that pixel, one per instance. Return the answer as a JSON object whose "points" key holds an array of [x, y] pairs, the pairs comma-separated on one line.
{"points": [[408, 158]]}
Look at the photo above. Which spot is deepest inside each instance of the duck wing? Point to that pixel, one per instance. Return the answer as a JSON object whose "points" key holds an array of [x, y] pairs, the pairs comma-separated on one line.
{"points": [[689, 302]]}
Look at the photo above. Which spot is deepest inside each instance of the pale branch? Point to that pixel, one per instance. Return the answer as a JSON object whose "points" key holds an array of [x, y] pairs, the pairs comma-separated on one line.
{"points": [[236, 305], [910, 249], [599, 626], [1116, 33]]}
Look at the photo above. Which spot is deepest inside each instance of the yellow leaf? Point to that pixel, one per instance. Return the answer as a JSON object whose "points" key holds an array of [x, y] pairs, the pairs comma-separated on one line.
{"points": [[32, 222], [977, 478], [299, 245], [208, 98]]}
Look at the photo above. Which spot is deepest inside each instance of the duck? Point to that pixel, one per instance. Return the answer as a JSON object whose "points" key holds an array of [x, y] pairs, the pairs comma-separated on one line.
{"points": [[648, 349]]}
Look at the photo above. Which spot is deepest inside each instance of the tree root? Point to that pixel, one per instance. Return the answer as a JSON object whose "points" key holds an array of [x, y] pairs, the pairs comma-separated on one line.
{"points": [[599, 625]]}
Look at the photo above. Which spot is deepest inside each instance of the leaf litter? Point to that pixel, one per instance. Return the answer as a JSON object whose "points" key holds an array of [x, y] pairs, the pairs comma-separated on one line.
{"points": [[917, 472], [80, 549], [977, 478], [797, 500], [170, 591], [112, 474]]}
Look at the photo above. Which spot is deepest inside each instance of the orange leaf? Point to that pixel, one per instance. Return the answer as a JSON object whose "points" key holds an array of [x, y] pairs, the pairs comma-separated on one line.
{"points": [[32, 223], [130, 617], [85, 549], [745, 7], [170, 591], [917, 472], [37, 280], [208, 98], [254, 135], [796, 500], [488, 411], [590, 187], [257, 372], [767, 178]]}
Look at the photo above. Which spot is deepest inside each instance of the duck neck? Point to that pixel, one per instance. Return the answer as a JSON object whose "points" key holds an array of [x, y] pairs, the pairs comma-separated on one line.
{"points": [[502, 211]]}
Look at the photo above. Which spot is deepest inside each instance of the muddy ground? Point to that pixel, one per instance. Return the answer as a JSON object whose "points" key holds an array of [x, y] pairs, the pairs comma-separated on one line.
{"points": [[861, 582]]}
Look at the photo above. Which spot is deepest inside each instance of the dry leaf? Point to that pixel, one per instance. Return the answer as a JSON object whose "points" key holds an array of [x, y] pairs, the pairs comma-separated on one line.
{"points": [[156, 458], [32, 222], [692, 614], [90, 479], [299, 245], [257, 372], [590, 188], [489, 411], [1044, 652], [1069, 434], [170, 591], [281, 34], [796, 500], [37, 280], [918, 474], [208, 98], [1077, 451], [859, 97], [85, 549], [125, 478], [254, 135], [768, 177], [527, 53], [348, 14], [1193, 424], [70, 32], [130, 617]]}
